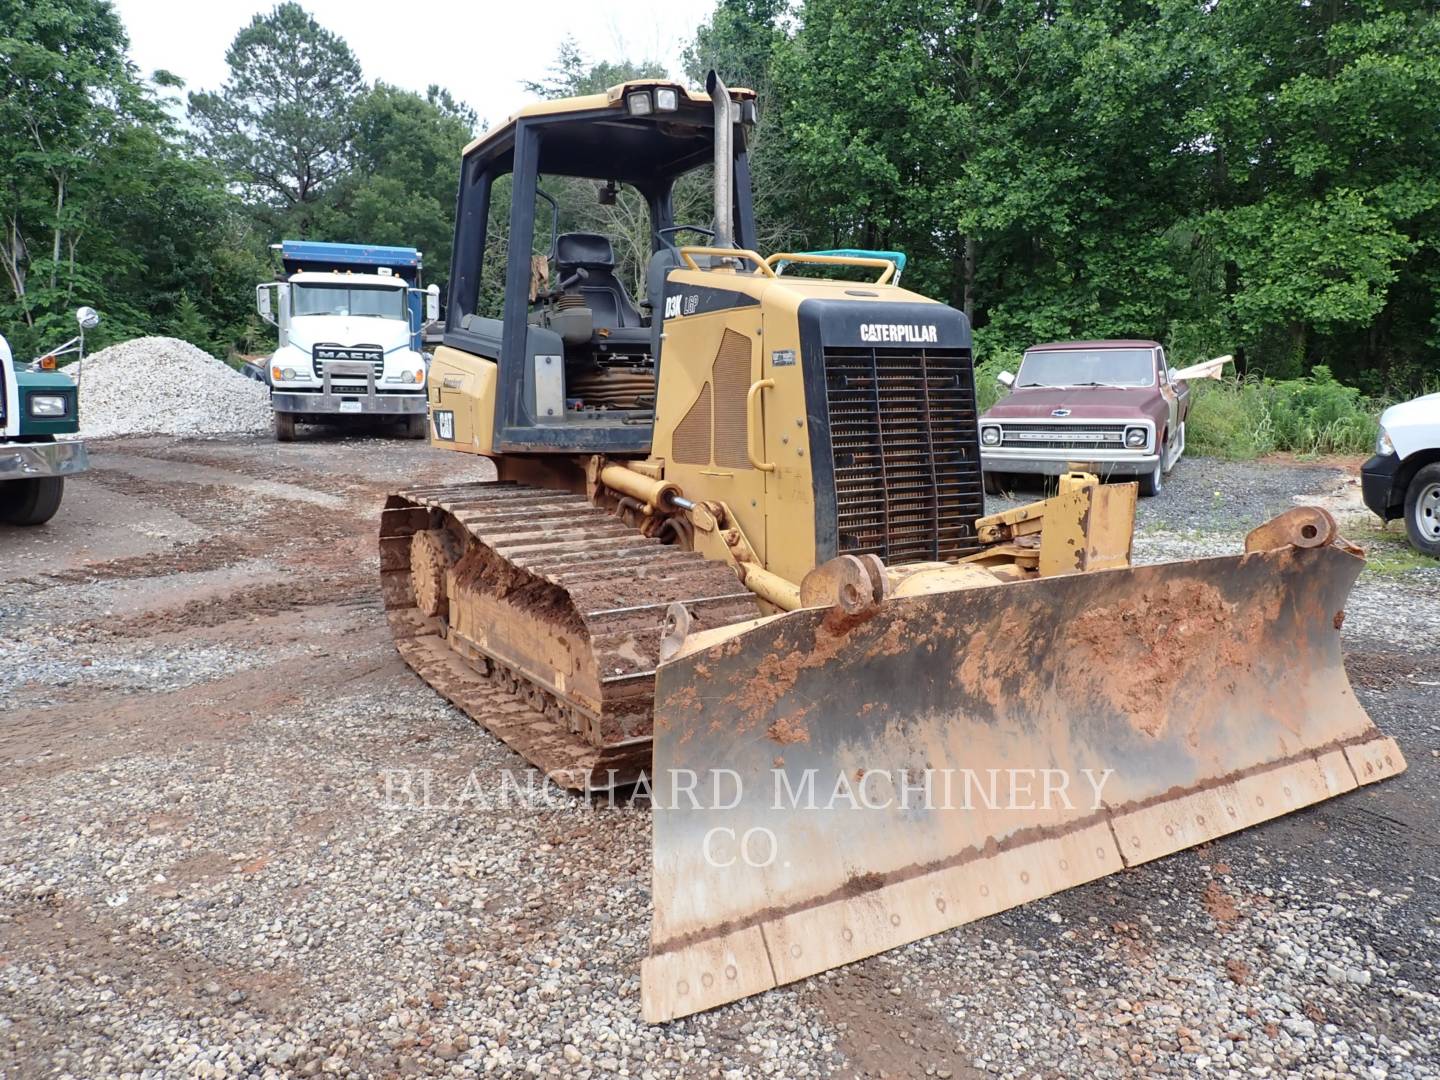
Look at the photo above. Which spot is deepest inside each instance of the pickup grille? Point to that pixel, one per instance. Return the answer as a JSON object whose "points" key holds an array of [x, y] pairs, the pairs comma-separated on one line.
{"points": [[903, 440], [1063, 436], [372, 354]]}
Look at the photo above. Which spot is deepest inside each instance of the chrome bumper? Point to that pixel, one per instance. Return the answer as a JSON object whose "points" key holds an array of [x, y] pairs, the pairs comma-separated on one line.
{"points": [[21, 461], [344, 401], [1051, 462]]}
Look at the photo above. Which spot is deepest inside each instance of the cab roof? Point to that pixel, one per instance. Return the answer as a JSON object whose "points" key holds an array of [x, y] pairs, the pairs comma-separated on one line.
{"points": [[1118, 343], [617, 147], [345, 277]]}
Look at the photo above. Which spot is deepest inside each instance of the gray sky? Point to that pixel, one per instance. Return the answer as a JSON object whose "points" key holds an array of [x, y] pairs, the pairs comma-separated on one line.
{"points": [[480, 50]]}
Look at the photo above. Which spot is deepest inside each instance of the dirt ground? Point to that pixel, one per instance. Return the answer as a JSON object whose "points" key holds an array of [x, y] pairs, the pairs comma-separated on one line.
{"points": [[233, 846]]}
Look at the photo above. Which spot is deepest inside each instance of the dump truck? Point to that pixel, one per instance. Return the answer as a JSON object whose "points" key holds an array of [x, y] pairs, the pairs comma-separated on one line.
{"points": [[349, 320], [736, 555], [39, 419]]}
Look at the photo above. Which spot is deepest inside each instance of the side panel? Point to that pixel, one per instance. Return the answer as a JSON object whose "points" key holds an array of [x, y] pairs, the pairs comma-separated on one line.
{"points": [[462, 401], [711, 356]]}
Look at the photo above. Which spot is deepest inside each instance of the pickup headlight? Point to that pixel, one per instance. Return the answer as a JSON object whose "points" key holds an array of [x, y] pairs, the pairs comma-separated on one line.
{"points": [[990, 436], [1137, 438], [49, 405], [1383, 446]]}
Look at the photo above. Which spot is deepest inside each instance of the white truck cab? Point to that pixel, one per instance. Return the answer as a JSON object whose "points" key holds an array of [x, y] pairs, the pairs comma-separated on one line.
{"points": [[349, 339]]}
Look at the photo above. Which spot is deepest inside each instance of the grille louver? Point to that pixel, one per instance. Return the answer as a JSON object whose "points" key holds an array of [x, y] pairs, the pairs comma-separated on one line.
{"points": [[905, 450]]}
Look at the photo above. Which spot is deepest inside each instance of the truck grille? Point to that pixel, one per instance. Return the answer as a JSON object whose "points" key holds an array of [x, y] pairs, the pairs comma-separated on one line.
{"points": [[903, 439], [372, 354], [1063, 436]]}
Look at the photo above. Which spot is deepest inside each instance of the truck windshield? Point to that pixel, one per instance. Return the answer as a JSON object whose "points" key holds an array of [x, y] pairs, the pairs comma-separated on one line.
{"points": [[1087, 367], [376, 301]]}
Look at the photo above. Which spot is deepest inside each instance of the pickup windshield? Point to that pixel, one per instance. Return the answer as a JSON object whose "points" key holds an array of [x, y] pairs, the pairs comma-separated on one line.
{"points": [[375, 301], [1087, 367]]}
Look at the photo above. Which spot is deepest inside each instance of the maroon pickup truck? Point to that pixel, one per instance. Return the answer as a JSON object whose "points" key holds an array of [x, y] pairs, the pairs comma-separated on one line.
{"points": [[1108, 407]]}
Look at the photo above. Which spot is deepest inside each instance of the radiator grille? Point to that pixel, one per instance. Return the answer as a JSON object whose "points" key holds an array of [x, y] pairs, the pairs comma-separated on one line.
{"points": [[1063, 436], [906, 455], [323, 354]]}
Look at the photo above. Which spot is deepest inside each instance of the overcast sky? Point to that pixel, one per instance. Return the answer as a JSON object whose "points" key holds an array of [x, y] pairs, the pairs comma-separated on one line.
{"points": [[480, 50]]}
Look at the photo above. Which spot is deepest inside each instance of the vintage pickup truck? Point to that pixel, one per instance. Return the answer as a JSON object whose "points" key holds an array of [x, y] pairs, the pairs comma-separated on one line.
{"points": [[1113, 408]]}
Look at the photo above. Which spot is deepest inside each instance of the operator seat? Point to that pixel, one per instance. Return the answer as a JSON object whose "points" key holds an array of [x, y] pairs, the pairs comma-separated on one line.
{"points": [[604, 295]]}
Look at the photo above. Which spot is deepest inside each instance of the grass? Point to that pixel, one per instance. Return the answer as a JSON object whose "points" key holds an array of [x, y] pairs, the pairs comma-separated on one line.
{"points": [[1388, 552], [1243, 418]]}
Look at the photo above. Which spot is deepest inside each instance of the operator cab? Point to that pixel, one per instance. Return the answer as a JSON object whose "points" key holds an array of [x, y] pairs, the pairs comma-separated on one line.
{"points": [[566, 232]]}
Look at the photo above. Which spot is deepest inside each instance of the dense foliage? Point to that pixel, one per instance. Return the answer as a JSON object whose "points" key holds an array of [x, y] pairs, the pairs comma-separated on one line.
{"points": [[107, 199], [1255, 177]]}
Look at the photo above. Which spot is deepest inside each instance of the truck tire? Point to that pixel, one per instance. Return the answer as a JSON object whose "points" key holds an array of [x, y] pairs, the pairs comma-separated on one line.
{"points": [[994, 483], [416, 427], [1422, 510], [31, 502], [284, 427], [1153, 483]]}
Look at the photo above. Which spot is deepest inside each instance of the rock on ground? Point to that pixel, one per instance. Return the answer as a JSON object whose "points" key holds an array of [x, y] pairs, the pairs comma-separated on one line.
{"points": [[165, 386]]}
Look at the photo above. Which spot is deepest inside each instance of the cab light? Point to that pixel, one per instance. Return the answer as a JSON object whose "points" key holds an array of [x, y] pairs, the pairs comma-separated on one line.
{"points": [[639, 103]]}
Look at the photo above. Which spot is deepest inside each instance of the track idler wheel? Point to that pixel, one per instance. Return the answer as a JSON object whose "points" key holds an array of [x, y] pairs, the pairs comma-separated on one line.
{"points": [[432, 553]]}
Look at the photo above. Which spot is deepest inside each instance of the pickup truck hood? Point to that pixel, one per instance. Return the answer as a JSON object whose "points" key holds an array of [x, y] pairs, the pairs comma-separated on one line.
{"points": [[1084, 402], [1413, 425]]}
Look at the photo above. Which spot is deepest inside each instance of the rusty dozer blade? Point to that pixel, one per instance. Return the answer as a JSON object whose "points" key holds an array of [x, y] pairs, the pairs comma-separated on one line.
{"points": [[828, 786]]}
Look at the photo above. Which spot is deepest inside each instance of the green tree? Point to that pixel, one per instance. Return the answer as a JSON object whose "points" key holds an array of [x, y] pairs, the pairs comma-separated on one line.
{"points": [[405, 166], [284, 122], [572, 74]]}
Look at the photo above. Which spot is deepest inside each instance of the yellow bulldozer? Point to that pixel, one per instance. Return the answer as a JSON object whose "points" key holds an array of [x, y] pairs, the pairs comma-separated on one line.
{"points": [[737, 552]]}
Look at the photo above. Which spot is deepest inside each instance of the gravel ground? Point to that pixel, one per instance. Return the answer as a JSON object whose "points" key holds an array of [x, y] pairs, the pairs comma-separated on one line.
{"points": [[241, 839], [161, 385]]}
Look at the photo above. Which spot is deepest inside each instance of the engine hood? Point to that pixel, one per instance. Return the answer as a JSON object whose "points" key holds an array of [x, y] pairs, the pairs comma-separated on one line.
{"points": [[307, 331], [1083, 402], [1413, 425]]}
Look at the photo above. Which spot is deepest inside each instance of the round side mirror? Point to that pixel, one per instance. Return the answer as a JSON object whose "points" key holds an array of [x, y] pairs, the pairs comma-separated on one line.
{"points": [[88, 318]]}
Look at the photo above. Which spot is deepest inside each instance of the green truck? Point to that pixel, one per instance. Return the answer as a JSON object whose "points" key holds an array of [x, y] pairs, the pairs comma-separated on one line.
{"points": [[38, 405]]}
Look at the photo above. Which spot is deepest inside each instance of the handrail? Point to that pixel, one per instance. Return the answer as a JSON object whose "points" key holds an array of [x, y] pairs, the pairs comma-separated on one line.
{"points": [[761, 266], [886, 267], [751, 424]]}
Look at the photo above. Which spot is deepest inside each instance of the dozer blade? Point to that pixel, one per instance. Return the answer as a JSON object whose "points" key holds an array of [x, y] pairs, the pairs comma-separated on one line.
{"points": [[829, 786]]}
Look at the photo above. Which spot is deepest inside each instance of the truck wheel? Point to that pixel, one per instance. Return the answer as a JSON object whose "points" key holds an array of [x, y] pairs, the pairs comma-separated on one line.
{"points": [[416, 427], [1422, 510], [31, 502], [284, 427], [993, 483], [1154, 482]]}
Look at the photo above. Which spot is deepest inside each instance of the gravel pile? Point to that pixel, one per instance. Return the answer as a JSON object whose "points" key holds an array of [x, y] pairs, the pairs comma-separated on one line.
{"points": [[164, 386]]}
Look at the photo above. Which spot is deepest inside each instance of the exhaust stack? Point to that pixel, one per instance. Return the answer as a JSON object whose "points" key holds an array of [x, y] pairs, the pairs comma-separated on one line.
{"points": [[724, 160]]}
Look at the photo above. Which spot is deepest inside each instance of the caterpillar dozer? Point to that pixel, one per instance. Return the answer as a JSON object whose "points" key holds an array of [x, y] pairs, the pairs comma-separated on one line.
{"points": [[736, 551]]}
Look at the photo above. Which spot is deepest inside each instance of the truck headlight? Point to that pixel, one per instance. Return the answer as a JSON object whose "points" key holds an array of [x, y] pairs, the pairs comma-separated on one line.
{"points": [[990, 436], [1383, 446], [47, 405], [280, 374], [1137, 438]]}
